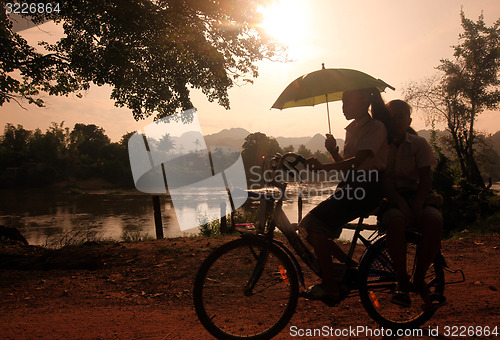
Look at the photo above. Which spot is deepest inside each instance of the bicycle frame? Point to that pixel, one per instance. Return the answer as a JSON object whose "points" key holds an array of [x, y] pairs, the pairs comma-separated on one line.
{"points": [[280, 220]]}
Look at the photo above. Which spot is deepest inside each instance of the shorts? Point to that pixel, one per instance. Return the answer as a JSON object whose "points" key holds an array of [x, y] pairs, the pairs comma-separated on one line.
{"points": [[350, 201], [388, 210], [427, 211]]}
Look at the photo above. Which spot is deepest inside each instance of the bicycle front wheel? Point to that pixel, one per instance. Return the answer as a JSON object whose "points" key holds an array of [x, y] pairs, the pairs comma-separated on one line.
{"points": [[247, 288], [378, 282]]}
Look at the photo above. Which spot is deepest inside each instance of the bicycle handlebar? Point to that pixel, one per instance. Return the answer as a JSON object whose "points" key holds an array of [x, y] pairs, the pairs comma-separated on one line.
{"points": [[278, 161]]}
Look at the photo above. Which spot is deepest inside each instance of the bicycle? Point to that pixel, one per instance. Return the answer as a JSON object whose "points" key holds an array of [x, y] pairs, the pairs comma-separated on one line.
{"points": [[256, 295]]}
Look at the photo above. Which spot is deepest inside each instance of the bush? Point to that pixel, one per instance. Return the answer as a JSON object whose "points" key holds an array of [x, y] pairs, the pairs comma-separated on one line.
{"points": [[209, 228], [464, 204]]}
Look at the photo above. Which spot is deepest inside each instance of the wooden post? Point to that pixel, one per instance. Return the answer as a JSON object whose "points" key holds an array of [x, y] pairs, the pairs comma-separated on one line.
{"points": [[223, 220], [261, 226], [157, 214], [231, 221], [300, 208]]}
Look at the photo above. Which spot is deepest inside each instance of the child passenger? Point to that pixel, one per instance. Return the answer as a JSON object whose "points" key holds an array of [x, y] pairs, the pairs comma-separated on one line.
{"points": [[365, 154], [408, 185]]}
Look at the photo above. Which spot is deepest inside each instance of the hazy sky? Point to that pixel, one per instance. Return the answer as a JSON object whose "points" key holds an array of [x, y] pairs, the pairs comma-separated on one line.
{"points": [[397, 41]]}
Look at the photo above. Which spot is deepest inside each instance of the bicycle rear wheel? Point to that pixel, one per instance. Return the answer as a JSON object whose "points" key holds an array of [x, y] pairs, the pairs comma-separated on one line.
{"points": [[378, 282], [225, 305]]}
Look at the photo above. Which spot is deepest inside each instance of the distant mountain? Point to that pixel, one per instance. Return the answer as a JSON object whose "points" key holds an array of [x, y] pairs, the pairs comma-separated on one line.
{"points": [[317, 142], [188, 142], [427, 134], [495, 142], [295, 141], [234, 137]]}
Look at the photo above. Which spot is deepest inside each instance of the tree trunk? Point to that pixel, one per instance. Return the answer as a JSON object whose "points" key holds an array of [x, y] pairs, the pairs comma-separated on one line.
{"points": [[475, 174], [458, 149]]}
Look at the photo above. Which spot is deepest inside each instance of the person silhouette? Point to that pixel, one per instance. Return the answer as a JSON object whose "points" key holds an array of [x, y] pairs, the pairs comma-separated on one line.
{"points": [[408, 185], [365, 155]]}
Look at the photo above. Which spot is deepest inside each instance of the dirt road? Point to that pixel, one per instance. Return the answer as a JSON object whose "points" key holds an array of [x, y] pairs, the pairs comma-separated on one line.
{"points": [[143, 290]]}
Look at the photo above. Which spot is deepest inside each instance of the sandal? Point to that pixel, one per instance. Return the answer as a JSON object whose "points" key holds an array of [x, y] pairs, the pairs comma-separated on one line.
{"points": [[316, 292], [433, 301]]}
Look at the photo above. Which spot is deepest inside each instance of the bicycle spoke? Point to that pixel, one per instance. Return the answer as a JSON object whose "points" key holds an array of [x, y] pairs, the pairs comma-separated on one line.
{"points": [[380, 282], [231, 308]]}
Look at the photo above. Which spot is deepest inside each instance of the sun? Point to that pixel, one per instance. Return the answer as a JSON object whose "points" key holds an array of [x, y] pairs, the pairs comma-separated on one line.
{"points": [[284, 21]]}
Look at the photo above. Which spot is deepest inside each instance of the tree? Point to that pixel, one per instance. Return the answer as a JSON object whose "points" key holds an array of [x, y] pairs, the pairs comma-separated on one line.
{"points": [[152, 52], [48, 72], [125, 138], [322, 156], [303, 151], [468, 85], [51, 146], [88, 140], [14, 145], [256, 147]]}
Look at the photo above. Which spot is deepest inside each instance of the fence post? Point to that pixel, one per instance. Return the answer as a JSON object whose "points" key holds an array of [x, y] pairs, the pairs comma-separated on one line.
{"points": [[300, 207], [157, 215], [261, 226], [223, 219]]}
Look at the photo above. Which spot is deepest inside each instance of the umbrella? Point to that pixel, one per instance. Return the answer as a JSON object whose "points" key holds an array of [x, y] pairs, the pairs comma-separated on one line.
{"points": [[325, 85]]}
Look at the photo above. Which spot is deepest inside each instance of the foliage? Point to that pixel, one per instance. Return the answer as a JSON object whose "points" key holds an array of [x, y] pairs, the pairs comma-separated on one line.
{"points": [[242, 216], [488, 160], [322, 156], [468, 85], [256, 147], [212, 228], [39, 72], [464, 204], [151, 52], [88, 140], [36, 158], [209, 227], [304, 152], [14, 145]]}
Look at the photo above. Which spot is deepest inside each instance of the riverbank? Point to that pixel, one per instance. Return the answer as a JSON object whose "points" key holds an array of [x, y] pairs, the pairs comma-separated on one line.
{"points": [[143, 290]]}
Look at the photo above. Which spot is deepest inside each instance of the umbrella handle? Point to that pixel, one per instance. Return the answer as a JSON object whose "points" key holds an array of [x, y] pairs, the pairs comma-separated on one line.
{"points": [[328, 114]]}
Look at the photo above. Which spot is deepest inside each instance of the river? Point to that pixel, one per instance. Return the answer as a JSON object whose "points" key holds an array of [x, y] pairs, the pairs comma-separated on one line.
{"points": [[43, 216]]}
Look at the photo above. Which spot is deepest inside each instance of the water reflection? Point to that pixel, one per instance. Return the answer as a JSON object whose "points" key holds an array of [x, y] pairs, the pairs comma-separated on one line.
{"points": [[41, 215]]}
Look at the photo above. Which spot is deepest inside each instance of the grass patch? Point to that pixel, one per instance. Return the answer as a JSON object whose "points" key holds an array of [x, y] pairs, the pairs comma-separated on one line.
{"points": [[129, 236], [87, 235], [486, 226]]}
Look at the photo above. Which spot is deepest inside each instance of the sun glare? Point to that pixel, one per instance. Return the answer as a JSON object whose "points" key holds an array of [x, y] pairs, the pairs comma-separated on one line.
{"points": [[284, 21]]}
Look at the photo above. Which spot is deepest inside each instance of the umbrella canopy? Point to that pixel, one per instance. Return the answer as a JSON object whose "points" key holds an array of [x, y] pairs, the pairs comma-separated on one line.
{"points": [[325, 85]]}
